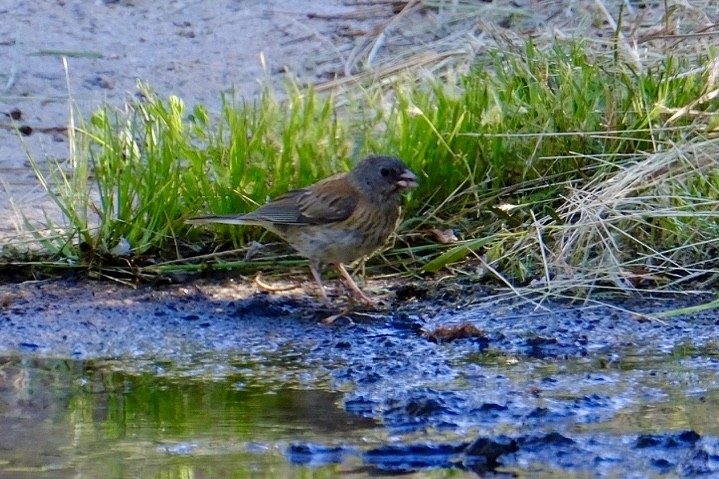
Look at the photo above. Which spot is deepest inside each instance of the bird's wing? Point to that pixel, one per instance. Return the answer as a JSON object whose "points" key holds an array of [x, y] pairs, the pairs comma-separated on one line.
{"points": [[329, 201], [325, 202], [282, 210]]}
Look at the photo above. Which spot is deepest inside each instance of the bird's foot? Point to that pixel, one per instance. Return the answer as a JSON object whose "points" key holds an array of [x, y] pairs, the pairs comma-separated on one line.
{"points": [[358, 296]]}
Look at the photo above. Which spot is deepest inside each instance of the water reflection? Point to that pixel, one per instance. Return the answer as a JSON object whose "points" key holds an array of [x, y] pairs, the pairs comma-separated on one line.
{"points": [[87, 419]]}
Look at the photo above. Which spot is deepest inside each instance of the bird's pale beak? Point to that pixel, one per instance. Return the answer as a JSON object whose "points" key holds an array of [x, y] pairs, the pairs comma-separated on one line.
{"points": [[407, 180]]}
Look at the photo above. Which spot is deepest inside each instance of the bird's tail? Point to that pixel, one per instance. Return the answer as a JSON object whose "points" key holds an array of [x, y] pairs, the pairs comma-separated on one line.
{"points": [[225, 219]]}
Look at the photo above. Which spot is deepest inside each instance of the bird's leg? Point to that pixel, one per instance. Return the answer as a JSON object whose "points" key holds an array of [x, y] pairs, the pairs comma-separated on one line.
{"points": [[315, 268], [358, 293]]}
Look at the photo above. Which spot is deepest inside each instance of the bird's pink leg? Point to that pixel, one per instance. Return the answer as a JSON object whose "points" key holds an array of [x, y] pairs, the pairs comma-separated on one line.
{"points": [[315, 268], [358, 293]]}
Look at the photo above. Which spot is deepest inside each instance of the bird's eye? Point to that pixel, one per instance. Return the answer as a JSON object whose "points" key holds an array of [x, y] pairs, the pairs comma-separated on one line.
{"points": [[384, 171]]}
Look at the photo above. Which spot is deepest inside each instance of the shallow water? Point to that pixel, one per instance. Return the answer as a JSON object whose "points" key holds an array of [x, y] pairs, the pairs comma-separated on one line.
{"points": [[66, 418], [224, 417]]}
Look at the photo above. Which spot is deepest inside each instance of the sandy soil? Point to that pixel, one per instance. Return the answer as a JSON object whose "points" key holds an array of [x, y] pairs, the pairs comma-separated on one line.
{"points": [[93, 52]]}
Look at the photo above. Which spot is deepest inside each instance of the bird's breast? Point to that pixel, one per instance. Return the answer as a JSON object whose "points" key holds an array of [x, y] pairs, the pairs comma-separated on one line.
{"points": [[348, 240]]}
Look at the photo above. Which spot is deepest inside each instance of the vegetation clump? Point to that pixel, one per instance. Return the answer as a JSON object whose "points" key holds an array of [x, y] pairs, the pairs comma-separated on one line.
{"points": [[560, 168]]}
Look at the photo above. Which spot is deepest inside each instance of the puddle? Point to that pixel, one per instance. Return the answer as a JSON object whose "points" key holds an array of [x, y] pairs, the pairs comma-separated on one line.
{"points": [[223, 417], [88, 419]]}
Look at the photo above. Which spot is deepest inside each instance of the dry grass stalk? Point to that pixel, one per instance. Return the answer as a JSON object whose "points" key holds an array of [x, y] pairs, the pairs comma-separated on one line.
{"points": [[640, 35], [610, 216]]}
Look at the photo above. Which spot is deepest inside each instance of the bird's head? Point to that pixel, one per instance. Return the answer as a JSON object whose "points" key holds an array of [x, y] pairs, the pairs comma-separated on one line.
{"points": [[382, 176]]}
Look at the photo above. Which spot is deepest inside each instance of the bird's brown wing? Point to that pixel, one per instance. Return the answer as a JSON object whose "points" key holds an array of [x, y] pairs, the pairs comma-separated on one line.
{"points": [[325, 202]]}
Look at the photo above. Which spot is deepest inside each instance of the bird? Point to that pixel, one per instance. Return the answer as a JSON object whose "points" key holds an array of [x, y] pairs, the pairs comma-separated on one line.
{"points": [[337, 220]]}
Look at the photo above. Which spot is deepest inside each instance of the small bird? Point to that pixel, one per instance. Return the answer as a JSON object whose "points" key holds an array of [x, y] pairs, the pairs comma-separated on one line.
{"points": [[336, 220]]}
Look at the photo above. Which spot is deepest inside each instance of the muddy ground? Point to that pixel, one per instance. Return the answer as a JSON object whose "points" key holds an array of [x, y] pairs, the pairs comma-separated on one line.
{"points": [[458, 377]]}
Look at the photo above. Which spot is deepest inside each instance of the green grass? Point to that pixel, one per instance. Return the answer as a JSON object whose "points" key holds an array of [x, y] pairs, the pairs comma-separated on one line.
{"points": [[557, 168]]}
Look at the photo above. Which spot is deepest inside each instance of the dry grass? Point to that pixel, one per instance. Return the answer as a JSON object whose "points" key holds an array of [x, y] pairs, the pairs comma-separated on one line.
{"points": [[437, 36], [603, 238]]}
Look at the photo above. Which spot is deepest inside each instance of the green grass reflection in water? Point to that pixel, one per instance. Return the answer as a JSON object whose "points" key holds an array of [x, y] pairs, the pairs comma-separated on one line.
{"points": [[65, 418]]}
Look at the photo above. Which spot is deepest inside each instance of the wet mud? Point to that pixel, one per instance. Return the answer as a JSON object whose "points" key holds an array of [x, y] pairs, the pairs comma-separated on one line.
{"points": [[461, 379]]}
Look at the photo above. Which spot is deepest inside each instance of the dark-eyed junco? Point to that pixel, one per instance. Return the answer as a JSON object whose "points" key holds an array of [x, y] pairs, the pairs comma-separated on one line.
{"points": [[337, 220]]}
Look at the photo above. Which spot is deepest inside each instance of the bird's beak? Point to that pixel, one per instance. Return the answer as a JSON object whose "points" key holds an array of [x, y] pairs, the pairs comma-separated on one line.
{"points": [[407, 180]]}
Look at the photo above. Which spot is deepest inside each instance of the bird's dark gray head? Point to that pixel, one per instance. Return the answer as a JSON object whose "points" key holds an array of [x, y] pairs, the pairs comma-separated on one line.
{"points": [[381, 177]]}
